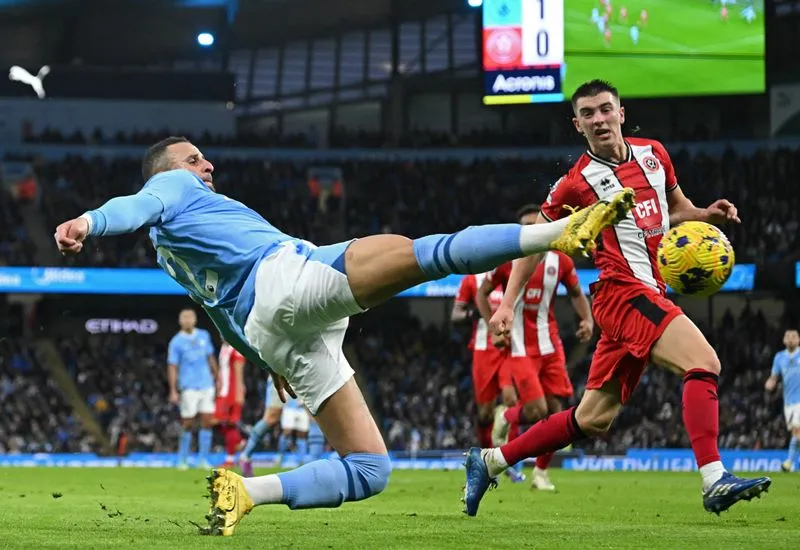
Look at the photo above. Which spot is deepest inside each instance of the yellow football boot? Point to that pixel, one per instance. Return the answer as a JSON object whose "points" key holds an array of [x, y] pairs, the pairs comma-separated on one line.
{"points": [[229, 502], [586, 224]]}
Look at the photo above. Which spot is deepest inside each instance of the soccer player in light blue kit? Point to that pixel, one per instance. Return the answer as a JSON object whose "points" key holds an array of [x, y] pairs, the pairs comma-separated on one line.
{"points": [[273, 406], [294, 425], [786, 367], [285, 304], [191, 374]]}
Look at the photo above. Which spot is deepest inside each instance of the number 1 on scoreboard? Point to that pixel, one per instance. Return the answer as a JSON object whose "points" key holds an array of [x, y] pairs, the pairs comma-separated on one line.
{"points": [[542, 32]]}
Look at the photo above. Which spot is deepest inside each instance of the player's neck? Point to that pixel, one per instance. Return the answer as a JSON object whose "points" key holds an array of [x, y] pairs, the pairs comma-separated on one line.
{"points": [[791, 350], [616, 153], [189, 331]]}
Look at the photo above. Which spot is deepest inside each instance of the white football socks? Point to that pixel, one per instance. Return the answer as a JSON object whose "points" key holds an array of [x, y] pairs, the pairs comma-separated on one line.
{"points": [[537, 237], [711, 473], [495, 461], [264, 489]]}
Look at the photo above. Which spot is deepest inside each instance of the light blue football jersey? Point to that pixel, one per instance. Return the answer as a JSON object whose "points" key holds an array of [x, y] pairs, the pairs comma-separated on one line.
{"points": [[189, 352], [210, 244], [787, 366]]}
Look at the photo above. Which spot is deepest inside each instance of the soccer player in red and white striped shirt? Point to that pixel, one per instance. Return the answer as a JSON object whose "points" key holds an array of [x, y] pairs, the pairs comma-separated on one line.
{"points": [[638, 323], [230, 398], [537, 362], [489, 377]]}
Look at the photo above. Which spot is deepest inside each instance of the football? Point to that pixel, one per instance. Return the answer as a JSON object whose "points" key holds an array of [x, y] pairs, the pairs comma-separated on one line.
{"points": [[695, 259]]}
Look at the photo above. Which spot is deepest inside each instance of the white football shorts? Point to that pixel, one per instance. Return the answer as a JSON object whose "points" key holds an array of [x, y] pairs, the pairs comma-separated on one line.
{"points": [[792, 414], [194, 402], [302, 307], [295, 419]]}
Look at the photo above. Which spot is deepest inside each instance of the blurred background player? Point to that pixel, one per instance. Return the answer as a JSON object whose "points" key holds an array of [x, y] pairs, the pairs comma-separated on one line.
{"points": [[230, 398], [489, 379], [272, 415], [191, 373], [786, 368], [643, 18], [294, 430], [635, 35], [537, 363], [623, 15]]}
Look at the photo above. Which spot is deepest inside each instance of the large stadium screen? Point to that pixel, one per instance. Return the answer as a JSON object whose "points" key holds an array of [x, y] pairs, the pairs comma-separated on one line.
{"points": [[539, 51]]}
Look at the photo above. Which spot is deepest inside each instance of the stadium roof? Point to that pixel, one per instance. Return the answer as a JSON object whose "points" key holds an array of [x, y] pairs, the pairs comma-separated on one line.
{"points": [[152, 31]]}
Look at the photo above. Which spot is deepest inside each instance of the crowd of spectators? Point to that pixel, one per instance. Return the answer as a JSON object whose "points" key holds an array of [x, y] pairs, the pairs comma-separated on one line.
{"points": [[124, 380], [419, 379], [36, 416]]}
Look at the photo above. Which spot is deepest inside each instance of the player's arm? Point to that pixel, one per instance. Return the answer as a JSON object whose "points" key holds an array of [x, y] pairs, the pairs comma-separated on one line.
{"points": [[581, 306], [213, 365], [488, 285], [172, 371], [157, 202], [462, 312], [772, 381], [238, 376], [681, 209]]}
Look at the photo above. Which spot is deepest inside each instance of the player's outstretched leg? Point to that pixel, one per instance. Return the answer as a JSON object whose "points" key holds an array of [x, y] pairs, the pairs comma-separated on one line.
{"points": [[682, 348], [362, 471], [380, 266]]}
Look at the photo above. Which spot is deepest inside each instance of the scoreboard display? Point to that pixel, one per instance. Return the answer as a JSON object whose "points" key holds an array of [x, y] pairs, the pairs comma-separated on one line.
{"points": [[539, 51]]}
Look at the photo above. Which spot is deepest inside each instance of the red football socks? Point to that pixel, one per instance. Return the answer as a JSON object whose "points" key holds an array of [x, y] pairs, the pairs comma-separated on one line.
{"points": [[546, 436], [485, 435], [512, 414], [232, 438], [543, 461], [701, 414]]}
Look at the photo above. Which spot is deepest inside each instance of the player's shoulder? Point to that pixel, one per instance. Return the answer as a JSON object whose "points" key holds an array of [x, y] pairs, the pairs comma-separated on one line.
{"points": [[656, 146]]}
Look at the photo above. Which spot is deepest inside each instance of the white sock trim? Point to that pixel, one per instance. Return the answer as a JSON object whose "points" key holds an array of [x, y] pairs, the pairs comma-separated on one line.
{"points": [[537, 237], [264, 489], [711, 473]]}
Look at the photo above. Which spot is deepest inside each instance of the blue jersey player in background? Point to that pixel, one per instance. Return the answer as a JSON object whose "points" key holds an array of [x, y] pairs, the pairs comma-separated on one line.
{"points": [[786, 367], [285, 305], [192, 375]]}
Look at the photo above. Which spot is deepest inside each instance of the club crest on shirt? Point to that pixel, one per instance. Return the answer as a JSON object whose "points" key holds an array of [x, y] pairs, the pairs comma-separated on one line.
{"points": [[651, 163]]}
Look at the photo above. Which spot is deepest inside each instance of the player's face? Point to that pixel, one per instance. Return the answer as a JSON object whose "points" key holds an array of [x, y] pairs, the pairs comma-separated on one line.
{"points": [[529, 219], [189, 157], [600, 118], [791, 339], [187, 319]]}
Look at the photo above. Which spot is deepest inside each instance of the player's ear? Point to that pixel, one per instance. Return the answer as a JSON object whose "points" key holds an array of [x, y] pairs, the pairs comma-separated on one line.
{"points": [[621, 115], [577, 125]]}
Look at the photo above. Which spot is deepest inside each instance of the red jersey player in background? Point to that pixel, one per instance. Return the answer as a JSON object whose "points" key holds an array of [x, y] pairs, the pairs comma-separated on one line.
{"points": [[230, 398], [489, 379], [537, 362], [638, 323]]}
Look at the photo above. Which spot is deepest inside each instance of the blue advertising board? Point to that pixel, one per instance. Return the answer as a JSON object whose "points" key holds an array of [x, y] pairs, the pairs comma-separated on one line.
{"points": [[88, 280]]}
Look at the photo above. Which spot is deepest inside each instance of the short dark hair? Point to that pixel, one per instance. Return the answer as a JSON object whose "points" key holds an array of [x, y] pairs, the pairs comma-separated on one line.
{"points": [[528, 209], [592, 88], [153, 160]]}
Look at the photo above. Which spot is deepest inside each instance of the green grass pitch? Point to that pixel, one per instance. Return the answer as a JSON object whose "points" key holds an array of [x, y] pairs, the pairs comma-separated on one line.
{"points": [[685, 49], [148, 508]]}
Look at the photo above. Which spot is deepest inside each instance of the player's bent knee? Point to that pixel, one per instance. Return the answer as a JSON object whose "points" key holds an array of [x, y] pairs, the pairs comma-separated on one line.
{"points": [[595, 425], [369, 472]]}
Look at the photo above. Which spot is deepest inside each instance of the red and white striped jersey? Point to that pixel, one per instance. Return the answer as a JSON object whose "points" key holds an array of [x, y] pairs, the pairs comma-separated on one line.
{"points": [[627, 251], [481, 339], [535, 329], [227, 358]]}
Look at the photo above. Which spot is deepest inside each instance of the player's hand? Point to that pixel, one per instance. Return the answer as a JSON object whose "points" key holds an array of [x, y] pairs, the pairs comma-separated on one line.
{"points": [[721, 211], [174, 398], [501, 321], [770, 384], [69, 236], [501, 341], [282, 386], [585, 331]]}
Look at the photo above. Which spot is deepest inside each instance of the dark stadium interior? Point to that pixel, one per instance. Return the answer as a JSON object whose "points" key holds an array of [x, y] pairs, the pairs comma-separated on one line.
{"points": [[386, 95]]}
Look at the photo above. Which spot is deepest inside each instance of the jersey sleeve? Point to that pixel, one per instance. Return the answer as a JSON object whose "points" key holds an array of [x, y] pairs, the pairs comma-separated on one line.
{"points": [[173, 353], [661, 154], [501, 275], [467, 290], [174, 189], [209, 344], [569, 275], [776, 365], [563, 193]]}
